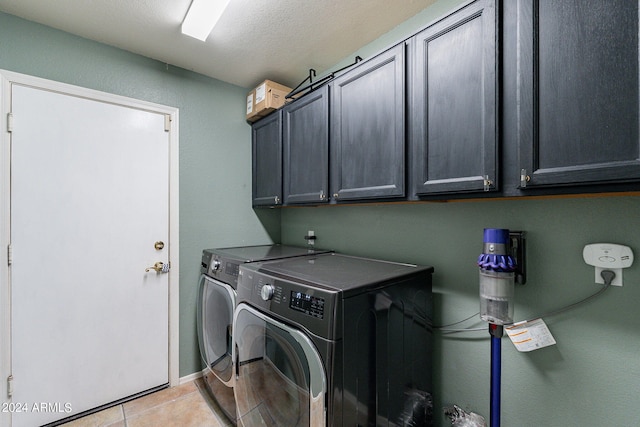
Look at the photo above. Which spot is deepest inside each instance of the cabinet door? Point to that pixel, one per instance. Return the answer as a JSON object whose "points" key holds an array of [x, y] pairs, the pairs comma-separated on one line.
{"points": [[267, 160], [305, 124], [453, 118], [367, 129], [578, 91]]}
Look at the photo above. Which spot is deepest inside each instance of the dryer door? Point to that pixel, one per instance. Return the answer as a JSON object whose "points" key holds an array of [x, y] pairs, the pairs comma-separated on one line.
{"points": [[216, 301], [280, 379]]}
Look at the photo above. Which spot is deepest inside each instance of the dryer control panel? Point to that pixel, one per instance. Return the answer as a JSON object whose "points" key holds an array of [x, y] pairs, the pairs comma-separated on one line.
{"points": [[294, 302], [307, 304]]}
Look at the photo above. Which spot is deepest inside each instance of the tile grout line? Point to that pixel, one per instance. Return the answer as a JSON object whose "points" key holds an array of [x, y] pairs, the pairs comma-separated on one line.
{"points": [[209, 401], [205, 397], [124, 417], [146, 410]]}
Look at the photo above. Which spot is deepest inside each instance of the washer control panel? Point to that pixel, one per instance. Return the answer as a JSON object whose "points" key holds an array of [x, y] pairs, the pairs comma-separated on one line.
{"points": [[220, 267]]}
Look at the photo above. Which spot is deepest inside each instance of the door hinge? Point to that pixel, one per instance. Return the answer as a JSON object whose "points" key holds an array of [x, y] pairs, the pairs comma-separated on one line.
{"points": [[167, 122], [9, 255], [10, 386], [9, 122]]}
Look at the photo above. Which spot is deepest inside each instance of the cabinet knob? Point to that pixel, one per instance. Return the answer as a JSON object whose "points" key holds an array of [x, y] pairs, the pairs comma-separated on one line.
{"points": [[335, 195], [322, 195], [276, 200]]}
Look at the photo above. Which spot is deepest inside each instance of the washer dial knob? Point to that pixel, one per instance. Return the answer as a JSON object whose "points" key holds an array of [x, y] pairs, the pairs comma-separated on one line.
{"points": [[215, 265], [267, 292]]}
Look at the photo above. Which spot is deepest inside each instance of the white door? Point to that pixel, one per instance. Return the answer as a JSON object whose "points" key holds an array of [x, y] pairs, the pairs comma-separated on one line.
{"points": [[89, 200]]}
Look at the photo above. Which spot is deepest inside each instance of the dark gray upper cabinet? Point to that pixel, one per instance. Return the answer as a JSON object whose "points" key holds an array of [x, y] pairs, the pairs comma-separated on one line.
{"points": [[578, 112], [367, 129], [266, 140], [305, 124], [454, 103]]}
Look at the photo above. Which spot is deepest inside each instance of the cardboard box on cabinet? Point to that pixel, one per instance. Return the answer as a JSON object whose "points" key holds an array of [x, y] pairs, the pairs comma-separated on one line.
{"points": [[264, 99]]}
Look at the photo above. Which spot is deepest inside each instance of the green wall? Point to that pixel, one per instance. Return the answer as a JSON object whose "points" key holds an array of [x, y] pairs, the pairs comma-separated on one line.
{"points": [[591, 377], [215, 147]]}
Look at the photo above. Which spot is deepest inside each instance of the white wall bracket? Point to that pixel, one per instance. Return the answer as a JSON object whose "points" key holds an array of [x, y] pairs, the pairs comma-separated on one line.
{"points": [[608, 256]]}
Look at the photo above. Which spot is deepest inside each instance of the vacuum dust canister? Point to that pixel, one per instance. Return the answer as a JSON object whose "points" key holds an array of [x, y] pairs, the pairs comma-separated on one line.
{"points": [[497, 277]]}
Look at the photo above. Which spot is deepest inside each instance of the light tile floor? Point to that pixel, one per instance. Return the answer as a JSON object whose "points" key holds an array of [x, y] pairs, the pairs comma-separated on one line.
{"points": [[187, 405]]}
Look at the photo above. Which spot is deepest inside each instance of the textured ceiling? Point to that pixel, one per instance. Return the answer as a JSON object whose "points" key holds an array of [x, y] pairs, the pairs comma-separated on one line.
{"points": [[254, 39]]}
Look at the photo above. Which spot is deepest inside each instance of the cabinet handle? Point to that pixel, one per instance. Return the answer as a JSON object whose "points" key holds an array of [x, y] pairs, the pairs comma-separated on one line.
{"points": [[487, 183], [322, 195], [277, 200], [524, 178]]}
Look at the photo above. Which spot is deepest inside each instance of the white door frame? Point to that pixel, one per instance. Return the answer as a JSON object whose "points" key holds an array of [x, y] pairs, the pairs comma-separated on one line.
{"points": [[7, 78]]}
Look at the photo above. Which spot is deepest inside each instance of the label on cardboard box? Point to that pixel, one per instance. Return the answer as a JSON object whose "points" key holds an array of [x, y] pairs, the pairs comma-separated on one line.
{"points": [[250, 103], [261, 92]]}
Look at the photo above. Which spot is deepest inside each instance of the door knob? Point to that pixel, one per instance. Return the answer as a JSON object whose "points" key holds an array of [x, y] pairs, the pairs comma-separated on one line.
{"points": [[159, 267]]}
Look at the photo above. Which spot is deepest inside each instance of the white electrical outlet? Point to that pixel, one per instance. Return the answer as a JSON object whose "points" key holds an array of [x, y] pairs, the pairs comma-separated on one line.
{"points": [[608, 256], [311, 237]]}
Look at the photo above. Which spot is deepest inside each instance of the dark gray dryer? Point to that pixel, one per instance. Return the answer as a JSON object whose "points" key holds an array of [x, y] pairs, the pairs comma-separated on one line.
{"points": [[333, 340], [216, 302]]}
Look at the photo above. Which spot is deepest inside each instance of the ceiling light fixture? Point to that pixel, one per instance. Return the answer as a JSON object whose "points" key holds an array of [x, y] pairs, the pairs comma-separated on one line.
{"points": [[202, 17]]}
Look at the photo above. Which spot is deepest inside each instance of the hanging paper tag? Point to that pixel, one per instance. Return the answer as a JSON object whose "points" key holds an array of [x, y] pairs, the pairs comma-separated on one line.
{"points": [[529, 336]]}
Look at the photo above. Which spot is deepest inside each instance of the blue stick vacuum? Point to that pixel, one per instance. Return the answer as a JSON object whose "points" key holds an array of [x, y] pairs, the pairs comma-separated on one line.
{"points": [[497, 282]]}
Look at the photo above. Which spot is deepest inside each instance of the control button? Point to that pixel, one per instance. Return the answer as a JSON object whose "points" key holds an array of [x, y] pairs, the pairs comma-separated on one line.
{"points": [[607, 259], [215, 265], [266, 292]]}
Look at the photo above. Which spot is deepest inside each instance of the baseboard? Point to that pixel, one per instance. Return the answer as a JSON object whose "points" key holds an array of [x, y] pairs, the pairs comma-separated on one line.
{"points": [[191, 377]]}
